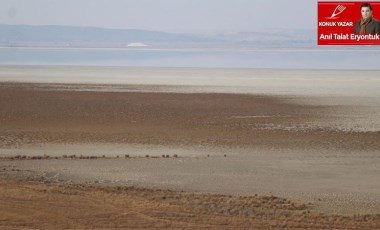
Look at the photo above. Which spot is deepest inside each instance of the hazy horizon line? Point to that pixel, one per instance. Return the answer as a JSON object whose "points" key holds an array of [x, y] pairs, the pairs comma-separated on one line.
{"points": [[267, 30]]}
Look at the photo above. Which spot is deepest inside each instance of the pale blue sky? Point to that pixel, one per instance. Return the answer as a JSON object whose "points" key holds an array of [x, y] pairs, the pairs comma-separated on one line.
{"points": [[165, 15]]}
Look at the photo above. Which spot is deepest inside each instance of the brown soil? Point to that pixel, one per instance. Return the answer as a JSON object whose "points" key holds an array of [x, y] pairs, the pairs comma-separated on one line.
{"points": [[29, 114], [46, 206]]}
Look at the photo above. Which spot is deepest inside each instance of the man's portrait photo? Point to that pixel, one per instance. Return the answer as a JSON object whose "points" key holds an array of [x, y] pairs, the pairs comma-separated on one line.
{"points": [[367, 24]]}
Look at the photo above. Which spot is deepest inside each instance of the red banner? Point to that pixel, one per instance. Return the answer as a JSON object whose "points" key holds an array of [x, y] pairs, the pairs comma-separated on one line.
{"points": [[348, 23]]}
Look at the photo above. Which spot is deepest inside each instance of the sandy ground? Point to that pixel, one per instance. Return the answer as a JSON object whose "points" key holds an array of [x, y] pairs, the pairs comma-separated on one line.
{"points": [[31, 115], [345, 183], [217, 143], [31, 205]]}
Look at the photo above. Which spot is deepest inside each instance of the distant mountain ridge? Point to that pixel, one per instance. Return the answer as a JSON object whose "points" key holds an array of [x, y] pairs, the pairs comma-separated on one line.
{"points": [[59, 34], [54, 35]]}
